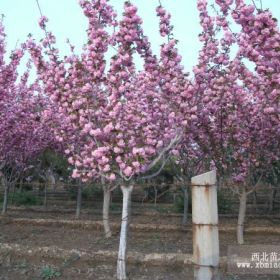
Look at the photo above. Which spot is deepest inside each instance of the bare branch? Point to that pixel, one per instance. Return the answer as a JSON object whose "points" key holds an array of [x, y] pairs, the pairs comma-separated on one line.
{"points": [[39, 8], [254, 3], [148, 177], [113, 188], [256, 186], [236, 191], [44, 28], [166, 149]]}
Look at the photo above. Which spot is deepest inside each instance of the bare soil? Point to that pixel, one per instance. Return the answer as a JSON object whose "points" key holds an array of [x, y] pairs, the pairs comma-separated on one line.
{"points": [[158, 215], [14, 268]]}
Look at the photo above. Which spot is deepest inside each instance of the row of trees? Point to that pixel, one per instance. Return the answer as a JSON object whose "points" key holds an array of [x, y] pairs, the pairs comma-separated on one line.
{"points": [[118, 124], [24, 126]]}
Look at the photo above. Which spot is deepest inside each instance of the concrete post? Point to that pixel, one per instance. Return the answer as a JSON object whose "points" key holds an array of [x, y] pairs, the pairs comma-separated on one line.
{"points": [[205, 227]]}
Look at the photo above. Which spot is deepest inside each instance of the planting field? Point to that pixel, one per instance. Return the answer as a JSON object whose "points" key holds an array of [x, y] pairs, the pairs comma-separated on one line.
{"points": [[40, 245]]}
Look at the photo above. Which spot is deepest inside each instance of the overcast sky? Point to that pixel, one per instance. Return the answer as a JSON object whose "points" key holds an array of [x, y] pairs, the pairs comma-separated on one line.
{"points": [[67, 21]]}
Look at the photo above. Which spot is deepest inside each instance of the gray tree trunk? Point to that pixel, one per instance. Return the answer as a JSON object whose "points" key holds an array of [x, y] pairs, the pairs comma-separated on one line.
{"points": [[121, 264], [20, 185], [13, 193], [5, 198], [241, 217], [46, 196], [156, 195], [255, 201], [271, 200], [52, 180], [106, 209], [186, 205], [79, 202]]}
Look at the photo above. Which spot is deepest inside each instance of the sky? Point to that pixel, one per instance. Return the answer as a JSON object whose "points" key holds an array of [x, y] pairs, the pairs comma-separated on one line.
{"points": [[66, 20]]}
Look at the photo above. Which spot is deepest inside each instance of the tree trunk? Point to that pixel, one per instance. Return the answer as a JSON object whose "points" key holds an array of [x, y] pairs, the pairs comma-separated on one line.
{"points": [[271, 200], [79, 202], [5, 198], [186, 205], [20, 186], [45, 197], [241, 217], [13, 194], [255, 201], [121, 265], [106, 209], [156, 194], [52, 181]]}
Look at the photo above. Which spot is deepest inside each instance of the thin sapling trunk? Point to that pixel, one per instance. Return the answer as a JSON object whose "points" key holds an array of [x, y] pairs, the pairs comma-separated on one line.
{"points": [[45, 197], [241, 216], [186, 205], [156, 195], [121, 264], [255, 201], [13, 193], [5, 198], [271, 200], [106, 209], [79, 201]]}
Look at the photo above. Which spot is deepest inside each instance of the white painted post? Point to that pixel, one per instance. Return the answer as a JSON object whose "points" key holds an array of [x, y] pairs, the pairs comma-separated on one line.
{"points": [[205, 227]]}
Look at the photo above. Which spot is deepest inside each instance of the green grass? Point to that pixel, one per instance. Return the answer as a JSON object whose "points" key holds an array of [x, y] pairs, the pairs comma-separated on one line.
{"points": [[48, 272], [23, 198]]}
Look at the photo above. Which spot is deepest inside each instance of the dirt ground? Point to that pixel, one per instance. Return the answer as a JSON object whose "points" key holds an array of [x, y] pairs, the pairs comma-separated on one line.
{"points": [[15, 268], [143, 242], [22, 269], [138, 216]]}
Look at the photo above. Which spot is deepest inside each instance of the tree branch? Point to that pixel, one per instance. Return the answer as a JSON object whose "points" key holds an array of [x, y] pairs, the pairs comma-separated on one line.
{"points": [[256, 185], [148, 177], [158, 158]]}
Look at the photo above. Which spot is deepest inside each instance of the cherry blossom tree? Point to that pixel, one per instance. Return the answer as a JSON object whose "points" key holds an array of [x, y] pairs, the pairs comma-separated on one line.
{"points": [[237, 121], [117, 123], [259, 42], [8, 76], [177, 88], [24, 131]]}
